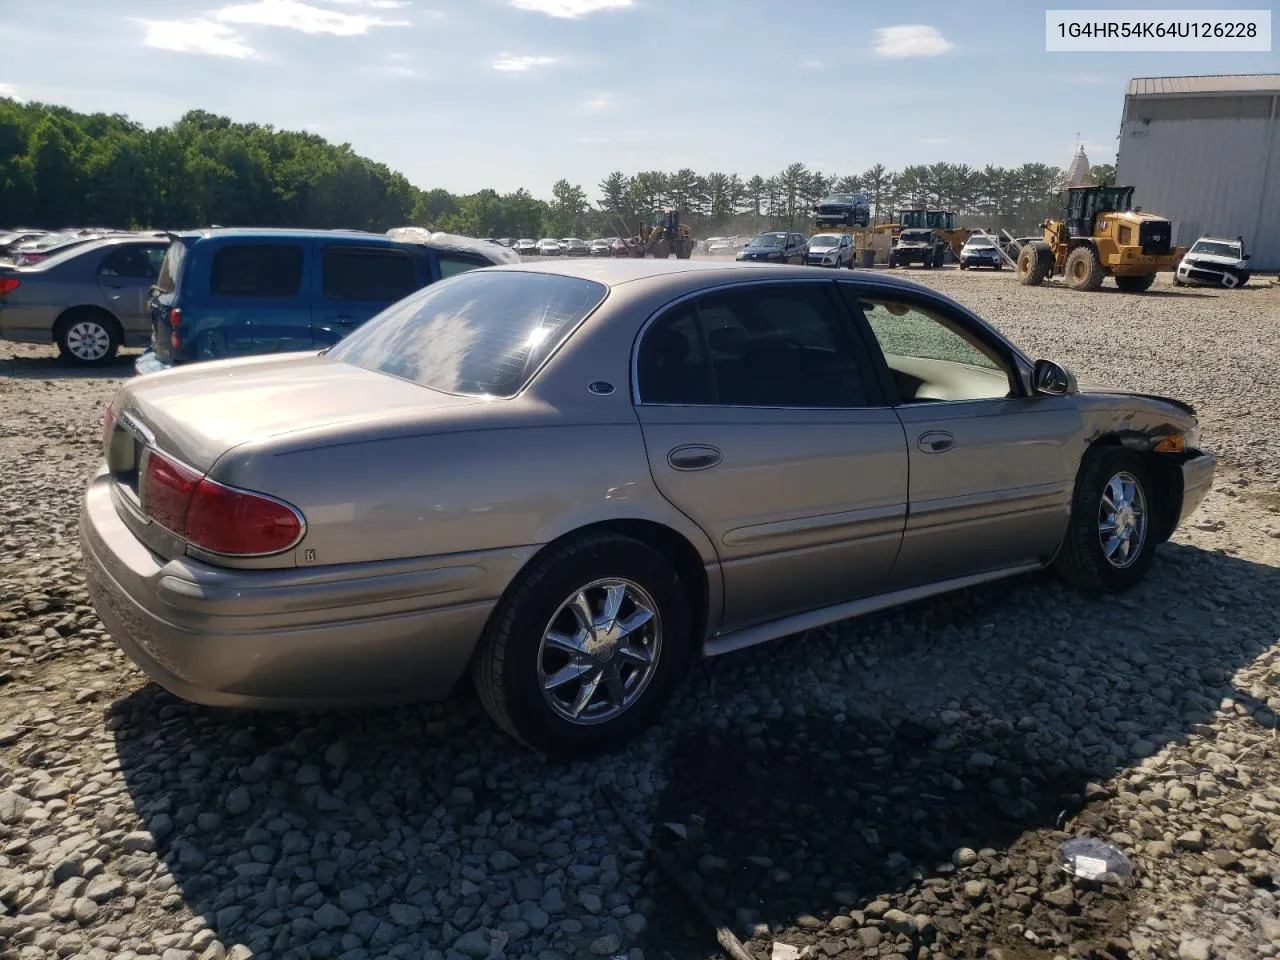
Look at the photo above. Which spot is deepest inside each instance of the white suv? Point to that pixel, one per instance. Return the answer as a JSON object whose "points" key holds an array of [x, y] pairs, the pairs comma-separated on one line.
{"points": [[1215, 262]]}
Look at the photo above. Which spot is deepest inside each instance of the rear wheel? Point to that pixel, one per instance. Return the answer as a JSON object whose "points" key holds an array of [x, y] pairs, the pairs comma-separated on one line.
{"points": [[585, 646], [87, 337], [1110, 541], [1084, 269], [1034, 262], [1136, 284]]}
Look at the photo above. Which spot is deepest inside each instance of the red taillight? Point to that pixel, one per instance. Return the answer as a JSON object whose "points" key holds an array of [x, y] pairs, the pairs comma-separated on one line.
{"points": [[175, 317], [175, 341], [9, 284], [166, 491], [236, 522], [108, 424], [214, 517]]}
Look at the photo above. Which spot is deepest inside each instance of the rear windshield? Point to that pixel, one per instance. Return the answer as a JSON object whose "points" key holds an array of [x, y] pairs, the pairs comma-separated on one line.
{"points": [[171, 269], [483, 333]]}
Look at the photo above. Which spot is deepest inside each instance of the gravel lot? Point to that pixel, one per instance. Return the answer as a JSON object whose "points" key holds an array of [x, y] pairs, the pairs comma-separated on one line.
{"points": [[889, 787]]}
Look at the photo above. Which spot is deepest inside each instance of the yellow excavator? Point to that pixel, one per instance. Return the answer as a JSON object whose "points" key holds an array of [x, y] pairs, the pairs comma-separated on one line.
{"points": [[661, 237], [1102, 236]]}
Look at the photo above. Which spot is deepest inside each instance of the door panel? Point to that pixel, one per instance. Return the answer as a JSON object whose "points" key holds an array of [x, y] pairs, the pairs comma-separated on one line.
{"points": [[997, 492], [805, 507], [763, 424], [258, 302], [355, 284]]}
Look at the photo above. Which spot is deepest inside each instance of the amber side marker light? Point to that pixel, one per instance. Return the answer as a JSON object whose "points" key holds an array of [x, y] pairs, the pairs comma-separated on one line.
{"points": [[1174, 443]]}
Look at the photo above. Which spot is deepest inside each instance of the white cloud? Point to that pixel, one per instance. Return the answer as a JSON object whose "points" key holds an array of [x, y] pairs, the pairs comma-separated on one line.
{"points": [[9, 90], [570, 9], [374, 4], [934, 140], [512, 64], [601, 101], [199, 35], [297, 15], [812, 64], [911, 41]]}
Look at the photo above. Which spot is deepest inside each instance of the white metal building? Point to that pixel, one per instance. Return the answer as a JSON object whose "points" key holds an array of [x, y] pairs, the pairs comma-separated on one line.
{"points": [[1205, 152]]}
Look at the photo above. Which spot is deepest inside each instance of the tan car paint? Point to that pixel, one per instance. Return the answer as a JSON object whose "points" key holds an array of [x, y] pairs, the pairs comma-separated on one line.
{"points": [[423, 507]]}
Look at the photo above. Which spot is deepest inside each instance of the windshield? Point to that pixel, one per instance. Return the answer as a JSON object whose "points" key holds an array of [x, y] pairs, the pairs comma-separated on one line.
{"points": [[978, 242], [837, 199], [1217, 248], [823, 240], [475, 333], [770, 240], [915, 236]]}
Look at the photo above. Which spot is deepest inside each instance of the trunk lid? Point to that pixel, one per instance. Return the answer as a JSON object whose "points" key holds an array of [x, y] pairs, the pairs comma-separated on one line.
{"points": [[198, 412]]}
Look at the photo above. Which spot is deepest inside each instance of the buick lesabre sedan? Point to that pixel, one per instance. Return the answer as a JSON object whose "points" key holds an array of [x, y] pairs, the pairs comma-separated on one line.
{"points": [[568, 479]]}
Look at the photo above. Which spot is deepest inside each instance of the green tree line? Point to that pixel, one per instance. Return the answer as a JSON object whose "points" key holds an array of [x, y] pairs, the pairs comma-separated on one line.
{"points": [[60, 168]]}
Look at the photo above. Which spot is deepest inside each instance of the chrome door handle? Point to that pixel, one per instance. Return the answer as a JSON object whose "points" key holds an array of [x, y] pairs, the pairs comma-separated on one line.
{"points": [[694, 456], [936, 441]]}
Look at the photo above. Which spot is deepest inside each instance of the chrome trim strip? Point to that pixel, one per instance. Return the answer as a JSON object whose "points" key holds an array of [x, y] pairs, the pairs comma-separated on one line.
{"points": [[811, 620], [871, 518]]}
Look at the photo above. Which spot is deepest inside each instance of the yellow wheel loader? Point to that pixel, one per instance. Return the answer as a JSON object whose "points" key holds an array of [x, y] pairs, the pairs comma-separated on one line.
{"points": [[662, 237], [1102, 236]]}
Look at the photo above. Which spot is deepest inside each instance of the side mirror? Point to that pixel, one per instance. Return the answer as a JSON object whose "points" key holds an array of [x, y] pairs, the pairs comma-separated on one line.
{"points": [[1051, 379]]}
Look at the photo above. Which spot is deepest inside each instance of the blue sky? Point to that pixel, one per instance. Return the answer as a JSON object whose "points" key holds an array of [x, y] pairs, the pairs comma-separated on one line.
{"points": [[464, 94]]}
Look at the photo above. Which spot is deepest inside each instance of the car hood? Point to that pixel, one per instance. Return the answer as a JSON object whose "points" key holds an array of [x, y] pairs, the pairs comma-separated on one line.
{"points": [[198, 412], [1098, 388], [762, 251], [1215, 259]]}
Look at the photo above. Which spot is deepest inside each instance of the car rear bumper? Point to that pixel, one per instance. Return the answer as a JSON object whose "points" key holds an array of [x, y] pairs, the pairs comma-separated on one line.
{"points": [[364, 633], [1197, 479]]}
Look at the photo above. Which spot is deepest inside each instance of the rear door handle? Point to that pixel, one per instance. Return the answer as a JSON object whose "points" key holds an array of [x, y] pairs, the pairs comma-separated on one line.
{"points": [[694, 456], [936, 441]]}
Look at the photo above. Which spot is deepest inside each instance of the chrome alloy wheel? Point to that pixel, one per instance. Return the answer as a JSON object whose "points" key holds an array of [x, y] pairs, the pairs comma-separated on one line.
{"points": [[88, 340], [599, 651], [1122, 520]]}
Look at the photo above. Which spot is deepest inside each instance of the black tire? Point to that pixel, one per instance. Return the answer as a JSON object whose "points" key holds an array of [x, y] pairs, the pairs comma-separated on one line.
{"points": [[1244, 278], [87, 337], [1082, 561], [506, 663], [1139, 284], [1083, 269], [1034, 263], [963, 265], [999, 264]]}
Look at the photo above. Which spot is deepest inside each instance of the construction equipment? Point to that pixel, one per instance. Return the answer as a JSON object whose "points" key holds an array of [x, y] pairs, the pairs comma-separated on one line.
{"points": [[661, 237], [916, 245], [943, 222], [1101, 236]]}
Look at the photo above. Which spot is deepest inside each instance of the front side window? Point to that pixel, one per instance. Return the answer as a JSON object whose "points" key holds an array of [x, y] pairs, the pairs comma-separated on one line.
{"points": [[766, 346], [480, 333], [367, 275], [257, 270], [932, 356]]}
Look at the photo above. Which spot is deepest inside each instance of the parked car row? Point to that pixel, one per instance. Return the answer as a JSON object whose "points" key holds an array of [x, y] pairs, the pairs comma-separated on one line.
{"points": [[568, 247], [208, 294]]}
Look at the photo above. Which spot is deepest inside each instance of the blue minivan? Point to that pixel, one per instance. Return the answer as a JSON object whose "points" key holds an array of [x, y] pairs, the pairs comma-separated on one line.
{"points": [[238, 292]]}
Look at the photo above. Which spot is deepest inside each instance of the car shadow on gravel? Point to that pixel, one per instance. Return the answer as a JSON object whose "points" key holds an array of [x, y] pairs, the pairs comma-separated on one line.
{"points": [[811, 821], [891, 742], [55, 368]]}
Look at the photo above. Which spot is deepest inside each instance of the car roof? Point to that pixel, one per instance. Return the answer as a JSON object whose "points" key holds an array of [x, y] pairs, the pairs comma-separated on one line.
{"points": [[619, 271], [290, 232]]}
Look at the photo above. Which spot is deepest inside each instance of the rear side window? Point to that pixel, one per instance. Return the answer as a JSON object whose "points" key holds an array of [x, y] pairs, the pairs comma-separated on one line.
{"points": [[257, 270], [127, 262], [371, 276], [171, 269], [479, 333]]}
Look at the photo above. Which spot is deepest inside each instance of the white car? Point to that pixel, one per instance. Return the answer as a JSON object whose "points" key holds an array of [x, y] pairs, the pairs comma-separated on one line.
{"points": [[1214, 262], [830, 250], [549, 248], [720, 246]]}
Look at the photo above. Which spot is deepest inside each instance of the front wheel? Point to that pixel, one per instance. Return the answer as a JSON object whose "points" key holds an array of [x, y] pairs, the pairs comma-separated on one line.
{"points": [[585, 646], [1139, 284], [1110, 542]]}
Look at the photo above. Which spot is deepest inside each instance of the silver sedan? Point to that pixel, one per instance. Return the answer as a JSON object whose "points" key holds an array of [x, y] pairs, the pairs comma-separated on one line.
{"points": [[90, 300], [571, 478]]}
